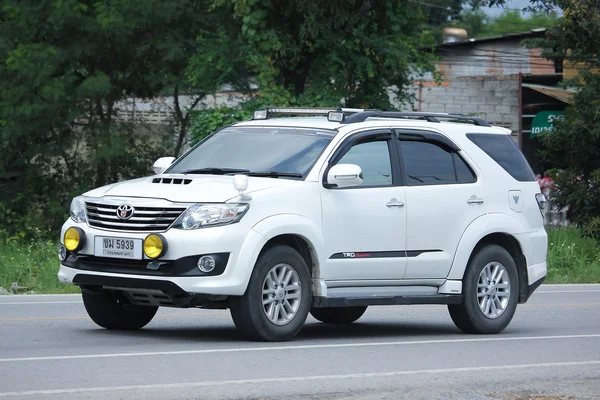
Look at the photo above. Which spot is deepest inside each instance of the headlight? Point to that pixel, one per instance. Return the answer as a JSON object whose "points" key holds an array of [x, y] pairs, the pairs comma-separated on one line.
{"points": [[77, 209], [201, 215]]}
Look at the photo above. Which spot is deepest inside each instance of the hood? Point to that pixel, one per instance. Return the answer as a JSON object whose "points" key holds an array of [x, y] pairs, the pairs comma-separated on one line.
{"points": [[196, 189]]}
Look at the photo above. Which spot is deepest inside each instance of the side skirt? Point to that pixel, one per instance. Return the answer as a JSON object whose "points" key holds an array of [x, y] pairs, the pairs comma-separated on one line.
{"points": [[386, 300]]}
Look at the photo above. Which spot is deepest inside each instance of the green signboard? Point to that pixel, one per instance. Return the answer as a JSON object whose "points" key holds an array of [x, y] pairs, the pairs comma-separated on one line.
{"points": [[544, 121]]}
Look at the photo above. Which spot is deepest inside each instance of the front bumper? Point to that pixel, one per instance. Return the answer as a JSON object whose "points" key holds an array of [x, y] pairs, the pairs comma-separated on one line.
{"points": [[236, 244], [149, 292], [185, 266]]}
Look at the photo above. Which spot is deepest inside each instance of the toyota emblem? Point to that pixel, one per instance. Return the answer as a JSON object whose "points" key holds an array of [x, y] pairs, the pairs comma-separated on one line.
{"points": [[125, 211]]}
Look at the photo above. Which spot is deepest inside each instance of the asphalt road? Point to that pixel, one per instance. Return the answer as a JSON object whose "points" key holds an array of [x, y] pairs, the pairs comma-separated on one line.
{"points": [[49, 349]]}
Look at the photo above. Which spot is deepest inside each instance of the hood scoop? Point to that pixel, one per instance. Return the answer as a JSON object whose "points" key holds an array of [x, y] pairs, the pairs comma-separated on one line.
{"points": [[172, 181]]}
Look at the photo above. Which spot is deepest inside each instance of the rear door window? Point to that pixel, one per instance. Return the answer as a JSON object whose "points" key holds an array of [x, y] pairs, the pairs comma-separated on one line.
{"points": [[429, 164], [504, 150]]}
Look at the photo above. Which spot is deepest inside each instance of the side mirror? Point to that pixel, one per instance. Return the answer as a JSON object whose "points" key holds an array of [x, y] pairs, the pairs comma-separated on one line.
{"points": [[162, 164], [344, 175]]}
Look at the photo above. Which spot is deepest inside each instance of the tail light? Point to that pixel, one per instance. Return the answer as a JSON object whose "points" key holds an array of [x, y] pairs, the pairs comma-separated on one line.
{"points": [[541, 200]]}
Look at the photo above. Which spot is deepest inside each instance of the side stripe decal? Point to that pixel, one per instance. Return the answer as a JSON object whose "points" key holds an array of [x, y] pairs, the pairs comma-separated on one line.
{"points": [[381, 254]]}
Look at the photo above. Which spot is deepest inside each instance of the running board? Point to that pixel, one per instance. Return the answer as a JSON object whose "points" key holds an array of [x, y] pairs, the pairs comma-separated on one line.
{"points": [[385, 300]]}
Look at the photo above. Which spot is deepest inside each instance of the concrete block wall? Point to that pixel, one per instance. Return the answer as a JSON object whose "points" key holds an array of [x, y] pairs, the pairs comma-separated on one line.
{"points": [[496, 99]]}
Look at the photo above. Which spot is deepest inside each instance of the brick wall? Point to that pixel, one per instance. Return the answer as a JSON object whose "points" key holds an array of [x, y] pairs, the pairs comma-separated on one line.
{"points": [[496, 99]]}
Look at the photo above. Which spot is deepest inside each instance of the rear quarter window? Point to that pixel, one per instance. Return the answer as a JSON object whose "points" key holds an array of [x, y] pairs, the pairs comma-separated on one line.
{"points": [[503, 150]]}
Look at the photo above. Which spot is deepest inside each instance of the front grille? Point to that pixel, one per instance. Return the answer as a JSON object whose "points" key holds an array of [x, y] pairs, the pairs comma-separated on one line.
{"points": [[144, 219]]}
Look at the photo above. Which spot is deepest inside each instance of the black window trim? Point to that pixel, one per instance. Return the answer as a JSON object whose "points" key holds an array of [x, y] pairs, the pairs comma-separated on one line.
{"points": [[417, 135], [362, 137]]}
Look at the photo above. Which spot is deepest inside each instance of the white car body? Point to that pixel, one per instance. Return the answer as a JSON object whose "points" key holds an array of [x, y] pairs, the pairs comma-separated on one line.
{"points": [[396, 244]]}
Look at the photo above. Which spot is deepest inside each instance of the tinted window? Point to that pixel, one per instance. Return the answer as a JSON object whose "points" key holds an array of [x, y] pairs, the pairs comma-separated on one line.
{"points": [[374, 160], [464, 174], [427, 164], [506, 153], [293, 150]]}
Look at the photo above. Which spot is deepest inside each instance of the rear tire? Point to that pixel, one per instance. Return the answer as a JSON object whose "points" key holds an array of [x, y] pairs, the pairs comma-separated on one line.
{"points": [[111, 310], [338, 315], [276, 303], [490, 292]]}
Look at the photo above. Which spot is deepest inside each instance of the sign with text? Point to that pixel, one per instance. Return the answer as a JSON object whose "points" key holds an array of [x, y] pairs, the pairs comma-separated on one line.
{"points": [[544, 122]]}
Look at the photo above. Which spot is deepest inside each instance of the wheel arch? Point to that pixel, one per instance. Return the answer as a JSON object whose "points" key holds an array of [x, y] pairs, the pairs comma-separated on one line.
{"points": [[297, 232], [498, 229]]}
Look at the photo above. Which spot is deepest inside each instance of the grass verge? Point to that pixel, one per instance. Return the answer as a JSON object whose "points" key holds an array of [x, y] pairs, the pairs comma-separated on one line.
{"points": [[571, 259], [33, 265]]}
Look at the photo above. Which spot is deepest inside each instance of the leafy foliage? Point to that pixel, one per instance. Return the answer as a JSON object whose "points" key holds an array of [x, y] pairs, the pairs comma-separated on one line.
{"points": [[64, 67], [329, 53], [208, 121], [573, 148], [480, 25], [574, 151]]}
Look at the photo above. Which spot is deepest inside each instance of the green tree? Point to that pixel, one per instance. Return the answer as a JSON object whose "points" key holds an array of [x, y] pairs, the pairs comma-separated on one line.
{"points": [[478, 24], [65, 67], [313, 52], [573, 148], [511, 21]]}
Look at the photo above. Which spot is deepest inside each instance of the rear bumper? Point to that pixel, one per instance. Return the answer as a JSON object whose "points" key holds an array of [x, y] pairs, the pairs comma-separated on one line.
{"points": [[536, 272]]}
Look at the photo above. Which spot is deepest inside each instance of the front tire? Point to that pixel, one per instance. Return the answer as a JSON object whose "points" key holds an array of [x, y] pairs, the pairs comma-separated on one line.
{"points": [[490, 292], [276, 303], [111, 310], [338, 315]]}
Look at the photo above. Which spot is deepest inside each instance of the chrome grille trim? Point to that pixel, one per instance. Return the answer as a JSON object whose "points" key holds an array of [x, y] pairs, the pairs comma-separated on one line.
{"points": [[102, 214]]}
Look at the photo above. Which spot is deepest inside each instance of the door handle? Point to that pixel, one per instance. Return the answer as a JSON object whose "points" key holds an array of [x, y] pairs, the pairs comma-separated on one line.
{"points": [[395, 203], [475, 200]]}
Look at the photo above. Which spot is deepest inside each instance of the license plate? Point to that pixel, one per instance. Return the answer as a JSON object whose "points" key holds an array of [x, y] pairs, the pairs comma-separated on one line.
{"points": [[118, 247]]}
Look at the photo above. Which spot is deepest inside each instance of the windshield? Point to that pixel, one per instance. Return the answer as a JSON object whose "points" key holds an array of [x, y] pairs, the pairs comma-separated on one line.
{"points": [[290, 151]]}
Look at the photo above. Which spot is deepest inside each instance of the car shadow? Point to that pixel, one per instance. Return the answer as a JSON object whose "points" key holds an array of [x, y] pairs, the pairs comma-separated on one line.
{"points": [[226, 332]]}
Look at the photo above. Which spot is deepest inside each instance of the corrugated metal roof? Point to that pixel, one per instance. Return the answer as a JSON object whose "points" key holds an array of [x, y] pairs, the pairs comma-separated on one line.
{"points": [[520, 35], [563, 94]]}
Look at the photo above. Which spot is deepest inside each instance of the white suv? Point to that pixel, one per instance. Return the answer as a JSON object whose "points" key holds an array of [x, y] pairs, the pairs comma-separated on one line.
{"points": [[277, 217]]}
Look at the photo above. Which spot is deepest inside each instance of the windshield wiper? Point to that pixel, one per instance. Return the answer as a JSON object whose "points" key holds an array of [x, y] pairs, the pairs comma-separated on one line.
{"points": [[215, 171], [275, 174]]}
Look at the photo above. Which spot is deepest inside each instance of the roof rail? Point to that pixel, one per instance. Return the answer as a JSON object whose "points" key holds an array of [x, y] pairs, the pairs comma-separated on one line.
{"points": [[333, 114], [431, 117]]}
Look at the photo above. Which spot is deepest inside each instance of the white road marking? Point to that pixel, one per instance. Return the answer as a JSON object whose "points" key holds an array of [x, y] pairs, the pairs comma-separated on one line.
{"points": [[299, 378], [568, 291], [14, 303], [298, 347], [43, 295]]}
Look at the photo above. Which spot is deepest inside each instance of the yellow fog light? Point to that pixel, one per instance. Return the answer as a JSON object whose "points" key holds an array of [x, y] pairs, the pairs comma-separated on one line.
{"points": [[155, 245], [74, 238]]}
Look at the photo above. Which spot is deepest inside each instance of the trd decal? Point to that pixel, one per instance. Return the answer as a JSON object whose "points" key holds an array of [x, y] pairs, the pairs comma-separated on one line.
{"points": [[381, 254], [356, 255]]}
